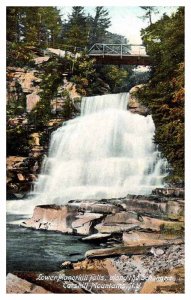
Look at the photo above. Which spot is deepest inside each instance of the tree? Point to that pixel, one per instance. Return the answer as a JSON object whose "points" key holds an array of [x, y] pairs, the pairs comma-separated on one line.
{"points": [[36, 26], [99, 25], [77, 28], [149, 11], [15, 16], [164, 94]]}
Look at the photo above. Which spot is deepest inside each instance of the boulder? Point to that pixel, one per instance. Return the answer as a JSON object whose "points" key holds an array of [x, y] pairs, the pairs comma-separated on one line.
{"points": [[84, 223], [67, 265], [16, 285], [39, 60], [134, 105], [50, 217]]}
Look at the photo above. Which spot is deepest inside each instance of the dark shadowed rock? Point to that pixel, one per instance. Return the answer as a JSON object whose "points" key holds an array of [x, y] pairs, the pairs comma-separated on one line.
{"points": [[169, 192]]}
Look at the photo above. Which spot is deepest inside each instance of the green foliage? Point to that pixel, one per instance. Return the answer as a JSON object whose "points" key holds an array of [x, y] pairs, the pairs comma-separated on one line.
{"points": [[19, 55], [114, 76], [17, 141], [164, 94], [34, 26], [17, 106]]}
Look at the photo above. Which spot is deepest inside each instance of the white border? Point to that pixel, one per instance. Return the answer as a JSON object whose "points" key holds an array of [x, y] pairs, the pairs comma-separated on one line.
{"points": [[187, 4]]}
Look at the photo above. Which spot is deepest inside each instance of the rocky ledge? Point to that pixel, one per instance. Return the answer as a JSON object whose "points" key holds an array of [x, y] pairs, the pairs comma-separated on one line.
{"points": [[141, 241], [158, 213]]}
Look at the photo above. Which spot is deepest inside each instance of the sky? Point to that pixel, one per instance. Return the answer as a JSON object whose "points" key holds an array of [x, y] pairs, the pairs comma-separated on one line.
{"points": [[126, 20]]}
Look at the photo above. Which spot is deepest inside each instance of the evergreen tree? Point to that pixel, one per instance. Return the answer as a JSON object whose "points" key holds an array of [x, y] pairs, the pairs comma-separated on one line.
{"points": [[15, 16], [149, 11], [77, 28], [99, 25], [37, 26], [164, 94]]}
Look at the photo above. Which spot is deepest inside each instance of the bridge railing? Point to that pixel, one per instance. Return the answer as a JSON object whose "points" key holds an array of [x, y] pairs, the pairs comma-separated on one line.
{"points": [[117, 50]]}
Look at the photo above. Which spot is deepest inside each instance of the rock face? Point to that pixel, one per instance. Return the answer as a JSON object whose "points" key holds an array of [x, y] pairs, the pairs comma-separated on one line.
{"points": [[63, 219], [20, 80], [50, 217], [21, 174], [133, 104]]}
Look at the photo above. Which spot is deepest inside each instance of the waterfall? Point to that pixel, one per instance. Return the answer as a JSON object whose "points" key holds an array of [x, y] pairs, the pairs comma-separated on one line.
{"points": [[107, 152]]}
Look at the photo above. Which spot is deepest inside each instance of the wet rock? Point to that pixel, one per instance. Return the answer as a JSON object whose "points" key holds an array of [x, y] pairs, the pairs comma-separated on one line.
{"points": [[97, 237], [15, 162], [134, 105], [35, 139], [67, 265], [20, 177], [169, 192], [94, 206]]}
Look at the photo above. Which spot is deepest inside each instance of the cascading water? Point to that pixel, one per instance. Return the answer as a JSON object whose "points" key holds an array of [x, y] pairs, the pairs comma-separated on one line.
{"points": [[107, 152]]}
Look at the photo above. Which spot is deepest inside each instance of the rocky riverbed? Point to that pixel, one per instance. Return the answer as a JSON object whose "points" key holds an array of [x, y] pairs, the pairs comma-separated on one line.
{"points": [[140, 241]]}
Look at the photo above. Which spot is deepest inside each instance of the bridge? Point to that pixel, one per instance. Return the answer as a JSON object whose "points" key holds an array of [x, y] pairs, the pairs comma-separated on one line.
{"points": [[119, 54]]}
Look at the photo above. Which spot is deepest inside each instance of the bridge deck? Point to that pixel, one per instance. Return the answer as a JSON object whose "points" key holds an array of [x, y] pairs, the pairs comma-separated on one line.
{"points": [[120, 54], [139, 60]]}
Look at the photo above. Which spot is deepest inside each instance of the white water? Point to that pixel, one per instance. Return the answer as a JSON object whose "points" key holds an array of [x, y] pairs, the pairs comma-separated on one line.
{"points": [[107, 152]]}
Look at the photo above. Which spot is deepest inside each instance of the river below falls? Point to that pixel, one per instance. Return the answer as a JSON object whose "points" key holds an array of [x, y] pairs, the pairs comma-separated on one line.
{"points": [[40, 251]]}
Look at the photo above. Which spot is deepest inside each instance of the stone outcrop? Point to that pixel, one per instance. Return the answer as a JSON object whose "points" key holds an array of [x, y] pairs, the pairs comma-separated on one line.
{"points": [[63, 219], [132, 243], [23, 81], [115, 217], [50, 217], [133, 104], [21, 174]]}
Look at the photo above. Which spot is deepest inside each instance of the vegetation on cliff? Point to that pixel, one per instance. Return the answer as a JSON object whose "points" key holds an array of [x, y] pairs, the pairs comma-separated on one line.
{"points": [[164, 93]]}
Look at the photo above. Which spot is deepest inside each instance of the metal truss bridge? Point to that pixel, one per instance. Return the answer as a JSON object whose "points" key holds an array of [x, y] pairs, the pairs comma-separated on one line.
{"points": [[119, 54]]}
